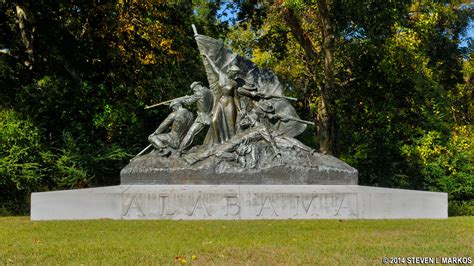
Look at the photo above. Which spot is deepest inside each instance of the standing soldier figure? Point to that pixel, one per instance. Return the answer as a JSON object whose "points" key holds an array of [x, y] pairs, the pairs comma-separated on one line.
{"points": [[204, 100]]}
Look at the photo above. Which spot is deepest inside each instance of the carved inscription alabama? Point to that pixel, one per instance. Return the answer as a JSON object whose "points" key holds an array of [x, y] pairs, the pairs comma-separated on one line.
{"points": [[235, 206]]}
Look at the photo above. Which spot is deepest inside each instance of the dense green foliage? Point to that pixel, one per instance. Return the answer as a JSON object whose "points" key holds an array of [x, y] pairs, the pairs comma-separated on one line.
{"points": [[292, 242], [75, 76], [20, 162]]}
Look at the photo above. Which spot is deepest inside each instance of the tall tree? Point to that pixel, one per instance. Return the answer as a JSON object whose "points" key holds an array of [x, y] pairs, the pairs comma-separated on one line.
{"points": [[325, 113]]}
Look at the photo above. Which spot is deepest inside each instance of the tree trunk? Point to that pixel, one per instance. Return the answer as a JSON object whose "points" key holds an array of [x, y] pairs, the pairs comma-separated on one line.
{"points": [[326, 115], [27, 29]]}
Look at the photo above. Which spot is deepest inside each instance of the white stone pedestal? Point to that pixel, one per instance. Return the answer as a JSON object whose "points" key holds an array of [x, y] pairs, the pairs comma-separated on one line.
{"points": [[235, 202]]}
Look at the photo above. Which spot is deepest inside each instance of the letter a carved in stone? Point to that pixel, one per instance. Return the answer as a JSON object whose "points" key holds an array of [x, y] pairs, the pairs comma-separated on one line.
{"points": [[200, 205], [266, 206], [345, 207], [134, 205]]}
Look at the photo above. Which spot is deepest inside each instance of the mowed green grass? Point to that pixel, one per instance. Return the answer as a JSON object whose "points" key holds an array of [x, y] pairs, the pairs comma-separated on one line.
{"points": [[231, 242]]}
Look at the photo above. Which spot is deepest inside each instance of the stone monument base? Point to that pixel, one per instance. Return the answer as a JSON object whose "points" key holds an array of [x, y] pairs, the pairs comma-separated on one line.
{"points": [[238, 202]]}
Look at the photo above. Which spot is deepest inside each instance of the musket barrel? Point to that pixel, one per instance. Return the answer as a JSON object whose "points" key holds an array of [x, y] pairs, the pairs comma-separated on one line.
{"points": [[165, 102], [141, 152], [282, 97], [290, 98], [305, 122], [158, 104], [298, 120]]}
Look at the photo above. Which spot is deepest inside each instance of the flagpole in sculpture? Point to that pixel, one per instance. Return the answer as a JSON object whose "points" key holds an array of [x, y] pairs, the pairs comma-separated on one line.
{"points": [[246, 165]]}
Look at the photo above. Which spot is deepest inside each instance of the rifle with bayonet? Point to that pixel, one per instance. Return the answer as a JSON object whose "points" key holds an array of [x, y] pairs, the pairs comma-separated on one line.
{"points": [[292, 118], [250, 90], [271, 95], [167, 102]]}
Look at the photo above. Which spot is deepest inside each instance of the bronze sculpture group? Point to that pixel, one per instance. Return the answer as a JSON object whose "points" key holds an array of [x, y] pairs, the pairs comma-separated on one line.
{"points": [[244, 111]]}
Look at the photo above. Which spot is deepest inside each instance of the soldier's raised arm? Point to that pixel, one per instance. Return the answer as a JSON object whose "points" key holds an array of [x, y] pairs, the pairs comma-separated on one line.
{"points": [[218, 71], [191, 99]]}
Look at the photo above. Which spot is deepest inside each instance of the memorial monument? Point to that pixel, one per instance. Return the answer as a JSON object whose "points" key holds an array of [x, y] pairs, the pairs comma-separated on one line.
{"points": [[249, 164]]}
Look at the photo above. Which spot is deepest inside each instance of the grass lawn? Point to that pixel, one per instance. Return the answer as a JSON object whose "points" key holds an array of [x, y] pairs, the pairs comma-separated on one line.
{"points": [[231, 242]]}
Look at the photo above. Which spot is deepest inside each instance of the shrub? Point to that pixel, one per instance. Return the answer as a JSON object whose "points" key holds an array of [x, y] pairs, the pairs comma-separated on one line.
{"points": [[21, 168], [446, 164]]}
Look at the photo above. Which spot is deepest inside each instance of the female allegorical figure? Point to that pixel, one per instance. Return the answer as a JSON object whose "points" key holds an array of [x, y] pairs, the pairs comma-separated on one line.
{"points": [[224, 113]]}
